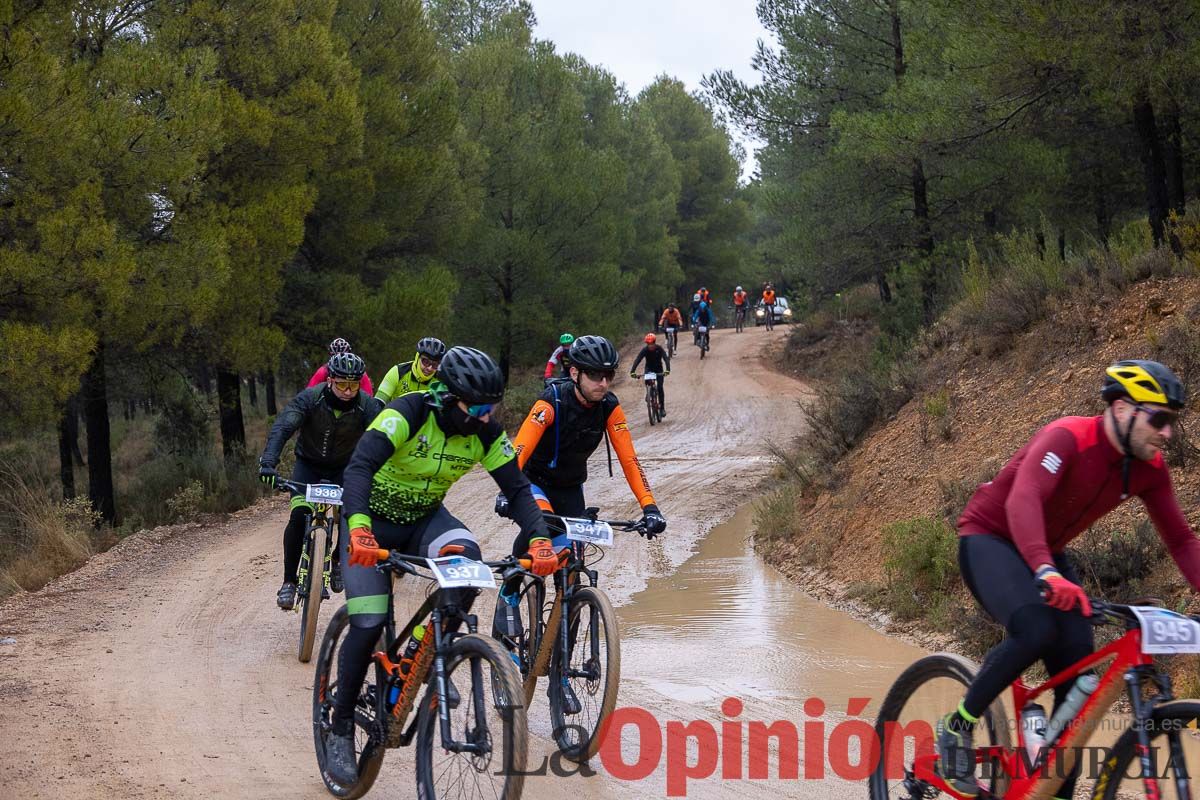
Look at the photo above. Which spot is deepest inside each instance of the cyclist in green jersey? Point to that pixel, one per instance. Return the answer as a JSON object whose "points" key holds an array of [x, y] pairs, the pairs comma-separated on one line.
{"points": [[415, 375], [401, 470]]}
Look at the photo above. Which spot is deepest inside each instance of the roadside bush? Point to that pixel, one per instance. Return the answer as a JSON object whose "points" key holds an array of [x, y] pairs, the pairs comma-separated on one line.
{"points": [[1115, 564], [184, 426], [936, 413], [44, 538], [920, 559]]}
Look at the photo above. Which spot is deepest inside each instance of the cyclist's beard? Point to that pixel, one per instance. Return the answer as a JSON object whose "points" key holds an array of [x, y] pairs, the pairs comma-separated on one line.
{"points": [[456, 422], [338, 403]]}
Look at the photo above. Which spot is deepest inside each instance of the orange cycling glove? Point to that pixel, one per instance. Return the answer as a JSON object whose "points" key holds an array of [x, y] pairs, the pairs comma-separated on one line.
{"points": [[364, 550], [545, 560]]}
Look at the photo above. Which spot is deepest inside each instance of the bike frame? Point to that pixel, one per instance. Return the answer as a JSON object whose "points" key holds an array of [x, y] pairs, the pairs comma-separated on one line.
{"points": [[324, 518], [1129, 668]]}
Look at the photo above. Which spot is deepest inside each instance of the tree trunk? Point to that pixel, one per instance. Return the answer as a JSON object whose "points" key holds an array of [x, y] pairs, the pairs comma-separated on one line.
{"points": [[204, 378], [233, 432], [1103, 221], [71, 420], [929, 281], [272, 406], [66, 467], [1153, 164], [885, 291], [1062, 245], [1176, 194], [252, 387], [991, 221], [95, 409], [506, 327], [1041, 245]]}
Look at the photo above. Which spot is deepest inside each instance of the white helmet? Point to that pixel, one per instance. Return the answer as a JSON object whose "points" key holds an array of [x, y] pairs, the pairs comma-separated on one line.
{"points": [[739, 288], [696, 297]]}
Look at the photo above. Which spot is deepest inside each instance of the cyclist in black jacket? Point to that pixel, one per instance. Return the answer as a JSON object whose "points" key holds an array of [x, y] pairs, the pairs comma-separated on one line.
{"points": [[658, 362], [330, 418]]}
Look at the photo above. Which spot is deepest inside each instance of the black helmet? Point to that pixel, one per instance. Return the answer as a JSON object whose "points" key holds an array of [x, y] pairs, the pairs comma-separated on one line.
{"points": [[471, 375], [593, 352], [431, 347], [339, 345], [347, 365], [1143, 382]]}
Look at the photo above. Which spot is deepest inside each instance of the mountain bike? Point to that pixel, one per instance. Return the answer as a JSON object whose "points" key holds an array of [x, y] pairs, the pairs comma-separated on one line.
{"points": [[312, 586], [906, 768], [702, 330], [574, 640], [653, 408], [472, 715], [672, 340], [739, 318]]}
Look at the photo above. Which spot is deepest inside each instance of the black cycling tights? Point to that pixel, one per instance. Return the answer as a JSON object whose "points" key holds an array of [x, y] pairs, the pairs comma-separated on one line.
{"points": [[1004, 585], [293, 542]]}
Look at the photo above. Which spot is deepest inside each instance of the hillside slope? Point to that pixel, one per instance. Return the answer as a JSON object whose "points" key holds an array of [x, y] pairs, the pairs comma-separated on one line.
{"points": [[905, 469]]}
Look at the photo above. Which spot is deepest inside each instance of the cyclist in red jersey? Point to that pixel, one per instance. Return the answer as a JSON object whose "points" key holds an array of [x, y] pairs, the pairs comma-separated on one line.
{"points": [[1013, 532]]}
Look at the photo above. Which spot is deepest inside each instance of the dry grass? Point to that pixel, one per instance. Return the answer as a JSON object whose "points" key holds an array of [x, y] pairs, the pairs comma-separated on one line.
{"points": [[46, 538]]}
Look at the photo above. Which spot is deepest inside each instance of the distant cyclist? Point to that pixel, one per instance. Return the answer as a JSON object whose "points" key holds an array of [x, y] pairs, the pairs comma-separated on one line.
{"points": [[338, 345], [695, 304], [1015, 528], [671, 318], [658, 362], [414, 451], [562, 430], [558, 359], [705, 295], [330, 420], [415, 375], [703, 316]]}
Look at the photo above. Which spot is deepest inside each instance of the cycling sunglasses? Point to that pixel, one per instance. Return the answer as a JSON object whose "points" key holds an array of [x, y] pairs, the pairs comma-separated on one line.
{"points": [[598, 375], [1158, 418], [480, 410], [346, 385]]}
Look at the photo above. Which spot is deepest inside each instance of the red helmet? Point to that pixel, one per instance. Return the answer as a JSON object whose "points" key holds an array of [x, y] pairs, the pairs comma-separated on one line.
{"points": [[650, 338]]}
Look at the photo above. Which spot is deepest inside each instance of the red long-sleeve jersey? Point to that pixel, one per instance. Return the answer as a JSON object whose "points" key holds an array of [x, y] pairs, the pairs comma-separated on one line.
{"points": [[1063, 480]]}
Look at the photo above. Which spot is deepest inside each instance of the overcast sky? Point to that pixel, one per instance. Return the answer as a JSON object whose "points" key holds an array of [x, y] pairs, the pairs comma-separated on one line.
{"points": [[638, 40]]}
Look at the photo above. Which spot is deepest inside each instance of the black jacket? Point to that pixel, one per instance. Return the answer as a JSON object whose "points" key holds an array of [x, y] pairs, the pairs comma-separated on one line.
{"points": [[654, 359], [575, 435], [327, 438]]}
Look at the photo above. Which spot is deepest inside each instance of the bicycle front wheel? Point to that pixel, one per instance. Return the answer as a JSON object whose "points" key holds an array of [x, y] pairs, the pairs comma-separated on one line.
{"points": [[487, 733], [923, 693], [583, 690], [650, 408], [367, 709], [310, 591], [1172, 746], [534, 594]]}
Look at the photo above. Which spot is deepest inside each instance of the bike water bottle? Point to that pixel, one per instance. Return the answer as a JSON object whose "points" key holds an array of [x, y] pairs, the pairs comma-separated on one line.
{"points": [[410, 650], [1083, 688], [1033, 726]]}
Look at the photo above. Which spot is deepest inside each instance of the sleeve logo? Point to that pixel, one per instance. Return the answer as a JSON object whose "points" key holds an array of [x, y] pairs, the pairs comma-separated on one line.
{"points": [[389, 424], [539, 416], [1051, 462]]}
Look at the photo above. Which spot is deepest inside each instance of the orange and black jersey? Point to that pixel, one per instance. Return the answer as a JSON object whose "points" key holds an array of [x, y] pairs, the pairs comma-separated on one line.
{"points": [[560, 434], [739, 298]]}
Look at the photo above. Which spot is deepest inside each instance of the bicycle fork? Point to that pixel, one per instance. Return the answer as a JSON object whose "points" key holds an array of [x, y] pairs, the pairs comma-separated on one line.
{"points": [[1143, 715]]}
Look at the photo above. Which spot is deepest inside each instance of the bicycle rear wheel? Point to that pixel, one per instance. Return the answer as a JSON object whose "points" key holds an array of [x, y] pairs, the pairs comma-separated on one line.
{"points": [[583, 691], [924, 692], [650, 407], [490, 715], [367, 708], [1172, 747], [310, 591]]}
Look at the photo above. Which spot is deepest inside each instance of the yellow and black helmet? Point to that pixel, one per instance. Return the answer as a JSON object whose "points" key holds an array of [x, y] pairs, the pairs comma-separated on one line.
{"points": [[1143, 382]]}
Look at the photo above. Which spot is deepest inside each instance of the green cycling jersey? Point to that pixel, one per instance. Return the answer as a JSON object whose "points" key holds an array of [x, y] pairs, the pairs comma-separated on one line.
{"points": [[402, 379], [405, 463]]}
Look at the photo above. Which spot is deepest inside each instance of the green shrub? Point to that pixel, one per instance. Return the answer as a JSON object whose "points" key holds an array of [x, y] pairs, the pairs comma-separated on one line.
{"points": [[920, 559], [1115, 564]]}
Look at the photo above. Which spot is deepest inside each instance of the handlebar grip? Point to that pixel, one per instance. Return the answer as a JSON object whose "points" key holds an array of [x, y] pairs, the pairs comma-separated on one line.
{"points": [[383, 555], [526, 563]]}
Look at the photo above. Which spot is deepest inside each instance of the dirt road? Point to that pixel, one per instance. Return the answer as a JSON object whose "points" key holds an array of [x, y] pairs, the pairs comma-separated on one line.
{"points": [[163, 668]]}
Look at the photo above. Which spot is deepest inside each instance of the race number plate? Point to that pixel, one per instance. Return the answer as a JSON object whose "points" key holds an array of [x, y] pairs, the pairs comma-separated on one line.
{"points": [[328, 493], [1165, 631], [650, 377], [584, 530], [702, 329], [456, 572]]}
